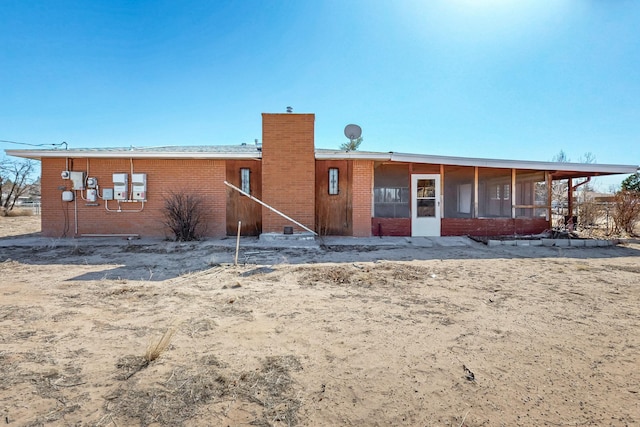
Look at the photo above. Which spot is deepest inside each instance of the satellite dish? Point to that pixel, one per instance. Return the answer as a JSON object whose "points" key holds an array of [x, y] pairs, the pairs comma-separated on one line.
{"points": [[352, 132]]}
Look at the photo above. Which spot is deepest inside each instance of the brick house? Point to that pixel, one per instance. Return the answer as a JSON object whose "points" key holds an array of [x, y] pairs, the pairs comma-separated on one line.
{"points": [[121, 191]]}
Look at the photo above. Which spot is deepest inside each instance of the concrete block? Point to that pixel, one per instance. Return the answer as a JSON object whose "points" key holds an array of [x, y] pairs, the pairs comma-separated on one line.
{"points": [[562, 242], [603, 243], [591, 243], [578, 243], [548, 242], [509, 242], [535, 242], [494, 243], [523, 243], [296, 237]]}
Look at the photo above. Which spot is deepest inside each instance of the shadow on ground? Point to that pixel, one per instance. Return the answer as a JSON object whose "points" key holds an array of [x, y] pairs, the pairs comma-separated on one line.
{"points": [[158, 260]]}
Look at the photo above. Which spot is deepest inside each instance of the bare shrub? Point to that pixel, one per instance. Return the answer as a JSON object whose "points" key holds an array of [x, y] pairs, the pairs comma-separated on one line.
{"points": [[590, 213], [15, 181], [626, 212], [183, 214], [20, 212]]}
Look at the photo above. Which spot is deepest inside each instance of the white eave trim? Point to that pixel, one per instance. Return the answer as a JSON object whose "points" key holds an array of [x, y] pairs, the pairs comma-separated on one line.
{"points": [[514, 164], [354, 155], [335, 155], [469, 161], [135, 154]]}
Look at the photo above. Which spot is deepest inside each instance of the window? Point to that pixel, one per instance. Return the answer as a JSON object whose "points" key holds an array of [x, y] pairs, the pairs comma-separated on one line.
{"points": [[465, 193], [391, 202], [245, 184], [391, 197], [494, 193], [458, 191], [531, 194], [333, 181], [426, 198]]}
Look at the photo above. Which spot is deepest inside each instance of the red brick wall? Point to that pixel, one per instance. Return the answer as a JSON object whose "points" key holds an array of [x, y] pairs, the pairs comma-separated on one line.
{"points": [[288, 170], [391, 226], [492, 226], [202, 177], [362, 197]]}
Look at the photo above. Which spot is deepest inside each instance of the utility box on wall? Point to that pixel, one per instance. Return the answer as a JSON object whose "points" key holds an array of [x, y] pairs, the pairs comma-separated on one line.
{"points": [[120, 186], [77, 179], [107, 194], [139, 186]]}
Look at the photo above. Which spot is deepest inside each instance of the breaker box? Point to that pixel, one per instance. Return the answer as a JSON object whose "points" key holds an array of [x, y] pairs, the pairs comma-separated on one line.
{"points": [[77, 179], [120, 186], [139, 186]]}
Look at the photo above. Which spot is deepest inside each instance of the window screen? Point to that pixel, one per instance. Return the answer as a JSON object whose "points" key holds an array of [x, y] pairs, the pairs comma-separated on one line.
{"points": [[531, 191], [391, 191], [494, 192], [458, 191]]}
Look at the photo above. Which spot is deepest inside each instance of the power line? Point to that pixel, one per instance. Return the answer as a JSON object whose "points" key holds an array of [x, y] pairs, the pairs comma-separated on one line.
{"points": [[36, 145]]}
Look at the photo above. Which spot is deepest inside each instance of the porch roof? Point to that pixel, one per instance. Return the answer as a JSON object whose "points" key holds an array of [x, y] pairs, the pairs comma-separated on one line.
{"points": [[557, 169]]}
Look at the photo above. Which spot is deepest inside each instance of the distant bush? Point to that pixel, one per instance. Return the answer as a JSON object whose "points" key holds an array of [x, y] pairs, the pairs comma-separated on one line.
{"points": [[21, 212], [626, 212]]}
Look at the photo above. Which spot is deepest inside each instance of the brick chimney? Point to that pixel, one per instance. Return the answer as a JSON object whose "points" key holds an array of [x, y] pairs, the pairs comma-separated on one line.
{"points": [[288, 170]]}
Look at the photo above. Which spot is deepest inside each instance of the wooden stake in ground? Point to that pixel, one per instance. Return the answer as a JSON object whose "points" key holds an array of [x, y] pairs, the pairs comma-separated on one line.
{"points": [[238, 243]]}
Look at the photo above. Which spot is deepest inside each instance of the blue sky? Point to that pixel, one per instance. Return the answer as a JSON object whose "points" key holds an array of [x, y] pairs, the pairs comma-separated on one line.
{"points": [[518, 79]]}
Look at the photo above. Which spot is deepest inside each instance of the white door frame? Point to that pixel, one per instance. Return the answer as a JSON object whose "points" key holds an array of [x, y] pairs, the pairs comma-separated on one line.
{"points": [[426, 220]]}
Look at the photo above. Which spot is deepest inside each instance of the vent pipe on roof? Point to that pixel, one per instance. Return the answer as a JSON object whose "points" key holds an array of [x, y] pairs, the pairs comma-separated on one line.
{"points": [[289, 110]]}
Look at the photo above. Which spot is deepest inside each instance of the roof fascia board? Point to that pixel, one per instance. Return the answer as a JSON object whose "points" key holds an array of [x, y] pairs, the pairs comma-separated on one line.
{"points": [[40, 154], [342, 155], [514, 164], [337, 155]]}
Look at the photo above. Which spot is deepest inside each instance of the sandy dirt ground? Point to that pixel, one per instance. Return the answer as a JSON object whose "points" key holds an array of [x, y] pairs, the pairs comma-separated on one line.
{"points": [[168, 334]]}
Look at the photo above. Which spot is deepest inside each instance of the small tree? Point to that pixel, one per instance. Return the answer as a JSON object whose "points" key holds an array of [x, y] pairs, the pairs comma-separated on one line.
{"points": [[626, 212], [560, 192], [352, 145], [183, 214], [559, 188], [15, 180], [631, 183]]}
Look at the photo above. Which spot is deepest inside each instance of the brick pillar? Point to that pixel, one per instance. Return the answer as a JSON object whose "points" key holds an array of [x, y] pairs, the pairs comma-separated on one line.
{"points": [[218, 193], [288, 170], [362, 196], [55, 215]]}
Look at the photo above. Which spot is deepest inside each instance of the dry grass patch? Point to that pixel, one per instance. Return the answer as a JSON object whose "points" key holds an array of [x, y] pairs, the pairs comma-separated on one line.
{"points": [[379, 275], [187, 389], [130, 365], [627, 268], [157, 347]]}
